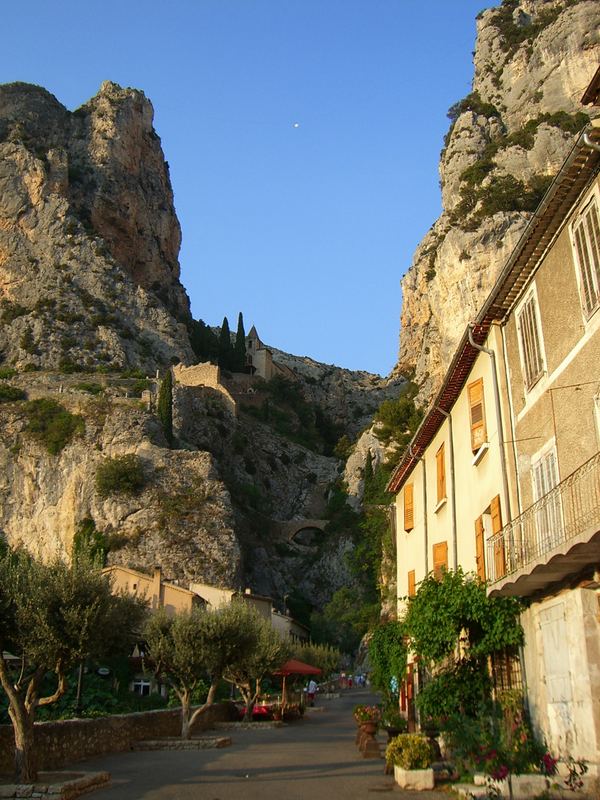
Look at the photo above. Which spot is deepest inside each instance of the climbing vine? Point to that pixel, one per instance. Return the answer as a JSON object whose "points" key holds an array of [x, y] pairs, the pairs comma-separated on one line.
{"points": [[453, 626], [387, 654], [457, 610]]}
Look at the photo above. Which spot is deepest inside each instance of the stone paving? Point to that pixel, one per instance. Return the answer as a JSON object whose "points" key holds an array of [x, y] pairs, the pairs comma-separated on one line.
{"points": [[315, 758]]}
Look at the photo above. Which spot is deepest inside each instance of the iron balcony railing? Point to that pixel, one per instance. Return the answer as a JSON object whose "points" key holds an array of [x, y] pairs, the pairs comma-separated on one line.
{"points": [[571, 508]]}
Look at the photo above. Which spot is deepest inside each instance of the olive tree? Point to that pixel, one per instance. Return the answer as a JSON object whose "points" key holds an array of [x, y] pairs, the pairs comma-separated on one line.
{"points": [[201, 643], [52, 616], [323, 656], [266, 653]]}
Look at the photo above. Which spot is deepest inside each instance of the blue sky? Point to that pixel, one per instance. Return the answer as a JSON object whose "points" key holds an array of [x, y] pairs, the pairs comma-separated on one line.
{"points": [[303, 138]]}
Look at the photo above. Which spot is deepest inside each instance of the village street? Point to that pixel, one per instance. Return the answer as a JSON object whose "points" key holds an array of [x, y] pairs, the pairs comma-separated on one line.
{"points": [[312, 759]]}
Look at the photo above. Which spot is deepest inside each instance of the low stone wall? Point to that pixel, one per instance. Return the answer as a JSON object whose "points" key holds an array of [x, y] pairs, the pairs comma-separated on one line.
{"points": [[68, 741]]}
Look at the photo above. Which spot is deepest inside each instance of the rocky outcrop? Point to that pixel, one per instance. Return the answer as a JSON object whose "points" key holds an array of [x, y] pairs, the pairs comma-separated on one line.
{"points": [[181, 518], [89, 239], [348, 397], [533, 60]]}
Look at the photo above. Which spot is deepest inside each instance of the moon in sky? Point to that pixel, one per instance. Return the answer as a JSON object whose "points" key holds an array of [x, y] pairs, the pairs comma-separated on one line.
{"points": [[296, 125]]}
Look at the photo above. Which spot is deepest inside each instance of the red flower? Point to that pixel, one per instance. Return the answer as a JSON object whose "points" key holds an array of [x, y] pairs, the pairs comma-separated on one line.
{"points": [[549, 764], [500, 772]]}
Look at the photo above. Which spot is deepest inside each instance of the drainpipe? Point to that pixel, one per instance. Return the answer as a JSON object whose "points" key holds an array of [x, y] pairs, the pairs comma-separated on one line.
{"points": [[588, 143], [512, 427], [425, 529], [492, 355], [451, 454]]}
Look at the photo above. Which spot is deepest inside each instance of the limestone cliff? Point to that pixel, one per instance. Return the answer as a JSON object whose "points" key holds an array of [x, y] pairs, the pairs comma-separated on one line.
{"points": [[507, 139], [89, 239], [89, 291], [181, 518]]}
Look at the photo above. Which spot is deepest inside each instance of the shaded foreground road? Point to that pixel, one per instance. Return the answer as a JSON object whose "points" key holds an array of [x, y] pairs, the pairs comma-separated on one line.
{"points": [[312, 759]]}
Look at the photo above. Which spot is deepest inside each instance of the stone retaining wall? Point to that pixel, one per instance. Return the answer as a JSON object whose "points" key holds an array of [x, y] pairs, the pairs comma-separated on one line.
{"points": [[68, 741]]}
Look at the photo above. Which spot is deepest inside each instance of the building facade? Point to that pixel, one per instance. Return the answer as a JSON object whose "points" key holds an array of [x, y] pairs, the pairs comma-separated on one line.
{"points": [[503, 476]]}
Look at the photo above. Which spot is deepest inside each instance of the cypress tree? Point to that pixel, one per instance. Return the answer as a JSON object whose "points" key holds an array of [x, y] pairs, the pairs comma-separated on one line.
{"points": [[226, 351], [240, 346], [165, 406]]}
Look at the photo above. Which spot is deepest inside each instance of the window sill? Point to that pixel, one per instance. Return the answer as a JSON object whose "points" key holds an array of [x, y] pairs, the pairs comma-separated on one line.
{"points": [[441, 504], [480, 453]]}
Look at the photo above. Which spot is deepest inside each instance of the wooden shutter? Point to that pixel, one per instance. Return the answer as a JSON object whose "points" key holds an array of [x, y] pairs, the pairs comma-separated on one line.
{"points": [[480, 548], [499, 557], [477, 409], [440, 559], [411, 584], [533, 363], [409, 510], [587, 246], [440, 459]]}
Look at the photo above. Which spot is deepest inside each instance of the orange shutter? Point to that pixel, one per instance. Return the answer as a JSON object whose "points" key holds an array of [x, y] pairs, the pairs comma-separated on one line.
{"points": [[477, 409], [499, 558], [479, 548], [441, 473], [409, 510], [440, 559], [411, 583]]}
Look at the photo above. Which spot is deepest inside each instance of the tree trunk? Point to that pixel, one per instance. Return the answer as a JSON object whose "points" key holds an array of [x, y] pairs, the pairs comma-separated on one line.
{"points": [[185, 716], [25, 763]]}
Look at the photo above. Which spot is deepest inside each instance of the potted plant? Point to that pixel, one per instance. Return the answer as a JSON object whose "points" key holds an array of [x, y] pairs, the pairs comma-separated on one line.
{"points": [[411, 756], [393, 721], [367, 717]]}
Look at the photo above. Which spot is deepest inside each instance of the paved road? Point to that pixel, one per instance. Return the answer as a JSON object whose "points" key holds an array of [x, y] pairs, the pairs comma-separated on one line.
{"points": [[311, 759]]}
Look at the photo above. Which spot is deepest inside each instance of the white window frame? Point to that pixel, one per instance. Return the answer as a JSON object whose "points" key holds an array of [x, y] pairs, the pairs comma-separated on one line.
{"points": [[588, 278], [597, 416], [138, 685], [530, 297], [549, 520]]}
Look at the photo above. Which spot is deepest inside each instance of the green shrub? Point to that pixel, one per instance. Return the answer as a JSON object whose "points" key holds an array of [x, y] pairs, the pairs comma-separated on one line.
{"points": [[10, 393], [7, 372], [51, 424], [409, 751], [90, 387], [120, 475], [10, 311]]}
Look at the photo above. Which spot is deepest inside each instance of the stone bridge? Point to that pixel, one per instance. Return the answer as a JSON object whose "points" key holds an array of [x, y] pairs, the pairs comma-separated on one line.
{"points": [[301, 531]]}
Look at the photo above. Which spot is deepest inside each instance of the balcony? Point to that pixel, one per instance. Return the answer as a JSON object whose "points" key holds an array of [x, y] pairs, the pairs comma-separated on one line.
{"points": [[555, 537]]}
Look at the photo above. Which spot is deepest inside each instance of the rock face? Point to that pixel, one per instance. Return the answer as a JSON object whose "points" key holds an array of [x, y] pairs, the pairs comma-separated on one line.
{"points": [[89, 239], [533, 61], [89, 289], [349, 397], [181, 519]]}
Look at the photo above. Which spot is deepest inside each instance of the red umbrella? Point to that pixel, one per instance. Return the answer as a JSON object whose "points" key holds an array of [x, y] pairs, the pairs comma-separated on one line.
{"points": [[294, 667]]}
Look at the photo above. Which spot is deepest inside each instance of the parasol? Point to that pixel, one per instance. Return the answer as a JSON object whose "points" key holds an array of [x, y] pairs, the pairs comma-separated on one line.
{"points": [[294, 667]]}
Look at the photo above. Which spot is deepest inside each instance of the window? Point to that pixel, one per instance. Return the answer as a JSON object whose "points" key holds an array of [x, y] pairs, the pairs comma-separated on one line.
{"points": [[477, 413], [411, 584], [409, 510], [548, 518], [440, 559], [480, 547], [141, 686], [530, 342], [586, 241], [441, 473]]}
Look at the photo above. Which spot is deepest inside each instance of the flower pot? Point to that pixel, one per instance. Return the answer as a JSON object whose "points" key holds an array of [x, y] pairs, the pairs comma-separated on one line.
{"points": [[370, 728], [415, 779]]}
